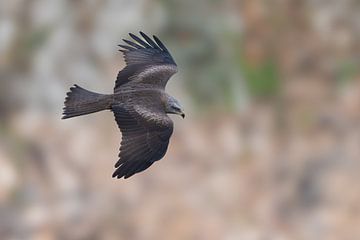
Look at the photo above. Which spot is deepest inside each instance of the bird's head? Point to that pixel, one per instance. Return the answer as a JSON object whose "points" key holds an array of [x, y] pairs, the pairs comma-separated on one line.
{"points": [[172, 106]]}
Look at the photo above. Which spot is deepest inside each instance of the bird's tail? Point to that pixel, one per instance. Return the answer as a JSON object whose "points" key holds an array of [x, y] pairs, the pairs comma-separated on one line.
{"points": [[80, 101]]}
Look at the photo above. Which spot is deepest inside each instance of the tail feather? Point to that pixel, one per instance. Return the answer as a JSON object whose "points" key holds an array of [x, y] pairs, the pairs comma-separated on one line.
{"points": [[80, 101]]}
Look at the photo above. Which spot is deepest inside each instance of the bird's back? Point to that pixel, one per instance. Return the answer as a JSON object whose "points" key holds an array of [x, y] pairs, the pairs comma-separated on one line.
{"points": [[144, 97]]}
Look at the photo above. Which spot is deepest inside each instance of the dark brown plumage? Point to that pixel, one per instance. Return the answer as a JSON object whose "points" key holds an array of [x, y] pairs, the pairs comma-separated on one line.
{"points": [[139, 103]]}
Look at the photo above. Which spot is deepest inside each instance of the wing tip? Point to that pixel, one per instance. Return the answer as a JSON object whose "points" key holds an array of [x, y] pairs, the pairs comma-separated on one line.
{"points": [[145, 42], [142, 47]]}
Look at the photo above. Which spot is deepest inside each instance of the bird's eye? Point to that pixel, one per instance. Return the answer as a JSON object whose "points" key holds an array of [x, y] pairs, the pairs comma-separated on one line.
{"points": [[176, 108]]}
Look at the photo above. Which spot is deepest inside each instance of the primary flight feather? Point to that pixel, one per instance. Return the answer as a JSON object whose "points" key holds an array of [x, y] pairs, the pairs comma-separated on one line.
{"points": [[139, 103]]}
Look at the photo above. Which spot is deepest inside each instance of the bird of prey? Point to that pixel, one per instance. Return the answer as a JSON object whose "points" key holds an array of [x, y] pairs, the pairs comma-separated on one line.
{"points": [[139, 103]]}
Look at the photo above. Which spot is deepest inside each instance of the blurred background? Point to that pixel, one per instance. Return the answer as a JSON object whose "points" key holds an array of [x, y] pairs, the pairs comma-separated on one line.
{"points": [[269, 149]]}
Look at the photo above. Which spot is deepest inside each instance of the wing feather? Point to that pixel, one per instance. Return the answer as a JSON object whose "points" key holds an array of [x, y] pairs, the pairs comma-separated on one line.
{"points": [[139, 40], [126, 47], [145, 138], [160, 44], [132, 44], [147, 64], [149, 40]]}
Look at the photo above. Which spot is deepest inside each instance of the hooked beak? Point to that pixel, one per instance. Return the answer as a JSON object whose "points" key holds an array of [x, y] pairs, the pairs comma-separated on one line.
{"points": [[182, 115]]}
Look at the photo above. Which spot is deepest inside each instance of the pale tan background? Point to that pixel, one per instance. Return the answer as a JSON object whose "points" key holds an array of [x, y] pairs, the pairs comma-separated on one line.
{"points": [[270, 147]]}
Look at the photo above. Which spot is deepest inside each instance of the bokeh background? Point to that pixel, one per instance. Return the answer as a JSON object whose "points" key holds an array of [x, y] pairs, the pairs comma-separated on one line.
{"points": [[270, 147]]}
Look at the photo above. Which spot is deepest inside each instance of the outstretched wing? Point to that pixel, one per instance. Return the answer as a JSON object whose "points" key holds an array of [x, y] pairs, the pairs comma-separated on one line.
{"points": [[145, 138], [148, 64]]}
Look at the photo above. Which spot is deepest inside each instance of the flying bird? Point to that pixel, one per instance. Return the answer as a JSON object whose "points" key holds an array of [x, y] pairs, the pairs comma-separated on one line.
{"points": [[139, 103]]}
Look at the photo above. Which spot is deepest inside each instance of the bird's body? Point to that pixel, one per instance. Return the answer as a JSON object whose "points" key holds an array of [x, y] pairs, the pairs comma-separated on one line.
{"points": [[145, 97], [139, 103]]}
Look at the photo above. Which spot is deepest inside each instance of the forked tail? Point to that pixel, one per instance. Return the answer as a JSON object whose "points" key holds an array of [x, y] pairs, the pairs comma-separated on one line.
{"points": [[80, 101]]}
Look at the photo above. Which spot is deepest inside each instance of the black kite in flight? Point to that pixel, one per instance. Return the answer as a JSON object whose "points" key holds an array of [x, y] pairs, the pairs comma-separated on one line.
{"points": [[139, 103]]}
